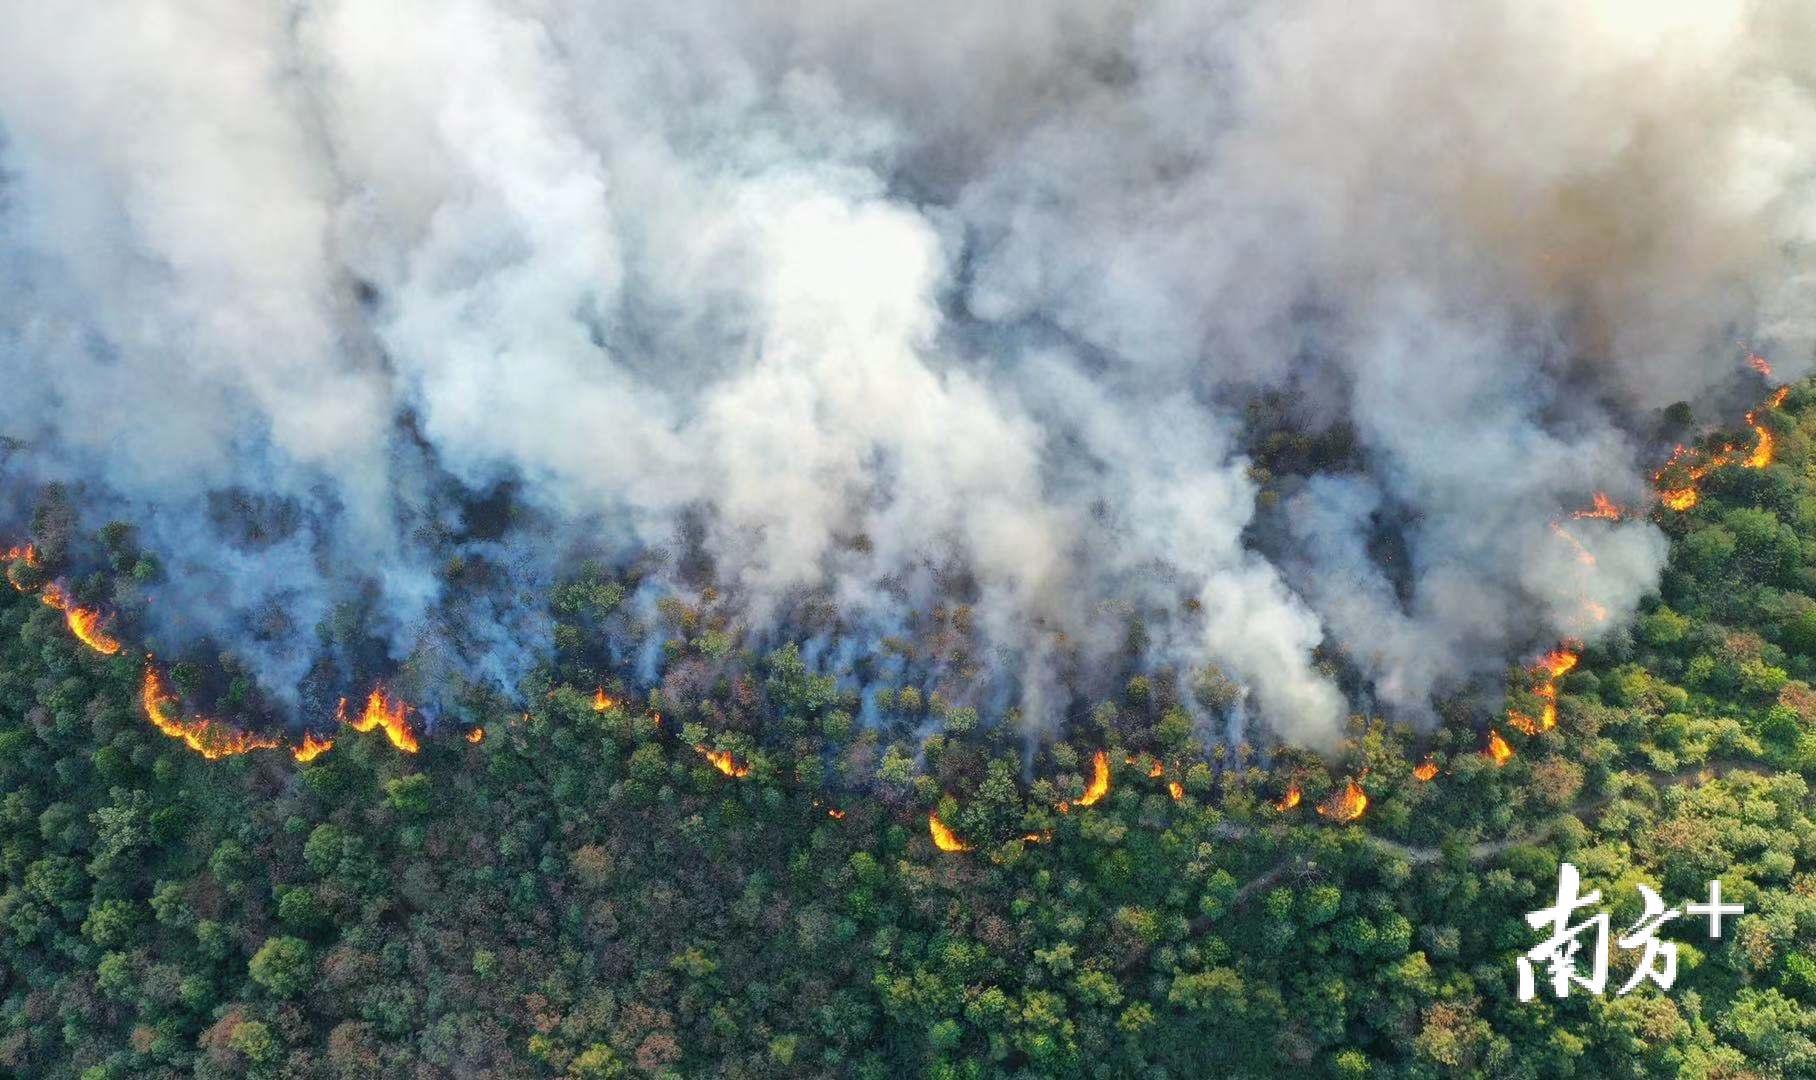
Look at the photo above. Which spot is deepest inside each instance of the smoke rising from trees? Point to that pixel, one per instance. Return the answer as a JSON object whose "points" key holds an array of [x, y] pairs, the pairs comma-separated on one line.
{"points": [[890, 303]]}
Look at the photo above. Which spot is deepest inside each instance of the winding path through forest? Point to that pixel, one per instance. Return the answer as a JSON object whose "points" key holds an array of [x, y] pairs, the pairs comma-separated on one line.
{"points": [[1718, 768]]}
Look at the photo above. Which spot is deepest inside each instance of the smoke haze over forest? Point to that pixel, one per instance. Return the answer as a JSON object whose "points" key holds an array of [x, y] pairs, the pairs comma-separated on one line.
{"points": [[891, 306]]}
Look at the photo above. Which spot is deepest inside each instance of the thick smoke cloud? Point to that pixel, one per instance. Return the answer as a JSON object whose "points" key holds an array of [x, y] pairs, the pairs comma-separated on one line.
{"points": [[867, 299]]}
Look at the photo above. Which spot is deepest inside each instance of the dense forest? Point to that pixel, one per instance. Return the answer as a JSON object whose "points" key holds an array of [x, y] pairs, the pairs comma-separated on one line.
{"points": [[746, 871]]}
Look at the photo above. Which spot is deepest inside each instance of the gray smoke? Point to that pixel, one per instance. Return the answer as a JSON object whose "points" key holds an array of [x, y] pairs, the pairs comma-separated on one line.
{"points": [[875, 297]]}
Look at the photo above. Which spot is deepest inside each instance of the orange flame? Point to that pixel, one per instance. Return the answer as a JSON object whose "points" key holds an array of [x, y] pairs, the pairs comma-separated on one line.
{"points": [[601, 702], [384, 712], [1758, 363], [476, 735], [836, 815], [944, 838], [1559, 662], [1290, 799], [724, 762], [82, 622], [1425, 772], [1603, 509], [1762, 451], [1036, 837], [211, 740], [86, 625], [1498, 751], [1176, 790], [1100, 779], [311, 748], [1346, 805], [1683, 496], [1554, 665], [14, 554]]}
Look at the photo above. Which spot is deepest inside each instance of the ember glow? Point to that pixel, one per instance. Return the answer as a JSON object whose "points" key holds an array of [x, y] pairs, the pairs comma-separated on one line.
{"points": [[310, 748], [391, 716], [724, 762], [208, 738], [1498, 751], [944, 838], [1425, 772], [1346, 805], [476, 735], [1290, 799]]}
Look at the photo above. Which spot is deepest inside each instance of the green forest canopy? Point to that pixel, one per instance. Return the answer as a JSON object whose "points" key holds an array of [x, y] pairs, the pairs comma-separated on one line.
{"points": [[583, 893]]}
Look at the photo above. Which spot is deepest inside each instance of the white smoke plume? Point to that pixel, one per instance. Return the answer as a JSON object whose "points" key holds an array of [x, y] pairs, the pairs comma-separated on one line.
{"points": [[875, 297]]}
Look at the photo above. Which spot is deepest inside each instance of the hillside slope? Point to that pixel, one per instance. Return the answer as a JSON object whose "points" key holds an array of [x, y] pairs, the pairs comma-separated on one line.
{"points": [[584, 891]]}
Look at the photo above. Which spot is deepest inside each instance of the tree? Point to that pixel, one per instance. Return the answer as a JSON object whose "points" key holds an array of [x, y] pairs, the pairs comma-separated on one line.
{"points": [[282, 966]]}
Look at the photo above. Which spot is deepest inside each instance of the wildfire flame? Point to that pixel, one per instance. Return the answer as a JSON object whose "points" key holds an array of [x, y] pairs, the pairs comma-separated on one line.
{"points": [[1425, 772], [1155, 771], [1559, 662], [1100, 779], [724, 762], [1682, 494], [82, 622], [944, 838], [1758, 363], [310, 748], [1346, 805], [1498, 751], [1603, 509], [476, 735], [86, 625], [1290, 799], [601, 702], [206, 737], [836, 815], [388, 714], [13, 554], [1679, 499], [1762, 451], [1554, 665]]}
